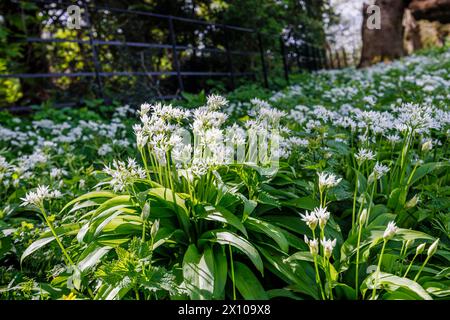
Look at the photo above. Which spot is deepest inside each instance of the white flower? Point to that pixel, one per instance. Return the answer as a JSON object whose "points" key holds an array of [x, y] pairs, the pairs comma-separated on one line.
{"points": [[123, 174], [379, 170], [328, 246], [310, 219], [393, 138], [313, 245], [216, 102], [145, 108], [327, 180], [390, 231], [322, 215], [364, 155], [37, 197], [104, 150]]}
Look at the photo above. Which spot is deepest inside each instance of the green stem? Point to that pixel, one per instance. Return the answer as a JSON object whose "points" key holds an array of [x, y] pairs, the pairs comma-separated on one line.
{"points": [[375, 283], [357, 263], [41, 207], [330, 287], [318, 281], [410, 265], [421, 268], [232, 273]]}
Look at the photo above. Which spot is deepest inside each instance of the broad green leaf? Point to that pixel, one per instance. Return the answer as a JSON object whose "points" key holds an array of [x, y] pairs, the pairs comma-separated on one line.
{"points": [[247, 284], [92, 256], [307, 203], [198, 273], [226, 237], [36, 245], [391, 283], [222, 215], [90, 195], [270, 230], [220, 272], [282, 293], [425, 169]]}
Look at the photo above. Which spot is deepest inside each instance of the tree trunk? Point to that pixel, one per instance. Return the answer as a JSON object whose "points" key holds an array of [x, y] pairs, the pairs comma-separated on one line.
{"points": [[412, 41], [385, 43]]}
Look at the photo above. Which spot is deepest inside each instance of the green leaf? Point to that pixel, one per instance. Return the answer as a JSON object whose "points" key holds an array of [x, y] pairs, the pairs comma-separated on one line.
{"points": [[307, 203], [302, 255], [391, 283], [247, 284], [90, 195], [175, 202], [220, 272], [198, 273], [223, 215], [36, 245], [91, 256], [270, 230], [226, 237], [282, 293], [425, 169]]}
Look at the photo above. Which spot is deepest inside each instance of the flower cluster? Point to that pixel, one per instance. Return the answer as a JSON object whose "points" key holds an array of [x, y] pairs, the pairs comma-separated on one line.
{"points": [[123, 174], [38, 197]]}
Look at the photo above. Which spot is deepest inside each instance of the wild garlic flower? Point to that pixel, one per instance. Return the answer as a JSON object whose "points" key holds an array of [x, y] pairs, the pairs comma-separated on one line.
{"points": [[379, 170], [364, 155], [328, 246], [216, 102], [415, 117], [393, 138], [327, 180], [38, 197], [310, 219], [322, 215], [123, 174], [313, 245], [390, 231]]}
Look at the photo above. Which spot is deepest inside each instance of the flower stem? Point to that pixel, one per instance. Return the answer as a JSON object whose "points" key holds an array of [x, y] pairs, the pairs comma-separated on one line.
{"points": [[41, 207], [421, 268], [357, 263], [378, 270], [410, 265]]}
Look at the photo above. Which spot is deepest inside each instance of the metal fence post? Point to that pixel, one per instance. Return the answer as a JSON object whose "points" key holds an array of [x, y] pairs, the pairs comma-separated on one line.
{"points": [[263, 61], [95, 59], [229, 57], [285, 65], [175, 54]]}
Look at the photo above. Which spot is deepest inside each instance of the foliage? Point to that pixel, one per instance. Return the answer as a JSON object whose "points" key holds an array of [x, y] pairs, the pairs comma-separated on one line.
{"points": [[358, 208]]}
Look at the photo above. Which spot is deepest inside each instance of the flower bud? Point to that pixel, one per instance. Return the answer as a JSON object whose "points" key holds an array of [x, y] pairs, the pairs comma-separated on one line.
{"points": [[427, 146], [155, 228], [363, 217], [433, 248], [420, 249], [409, 244], [145, 211], [412, 202]]}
